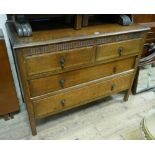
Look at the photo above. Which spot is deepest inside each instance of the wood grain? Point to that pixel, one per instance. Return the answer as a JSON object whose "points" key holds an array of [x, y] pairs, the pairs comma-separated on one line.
{"points": [[92, 67], [117, 49], [81, 95], [44, 85], [51, 62], [48, 37], [8, 97]]}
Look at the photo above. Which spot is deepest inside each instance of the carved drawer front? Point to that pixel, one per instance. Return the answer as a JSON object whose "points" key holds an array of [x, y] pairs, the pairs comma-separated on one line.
{"points": [[118, 49], [59, 61], [75, 97], [60, 81]]}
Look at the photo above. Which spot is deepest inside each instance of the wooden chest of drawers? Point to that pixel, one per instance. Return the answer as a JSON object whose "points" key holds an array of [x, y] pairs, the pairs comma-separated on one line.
{"points": [[62, 69]]}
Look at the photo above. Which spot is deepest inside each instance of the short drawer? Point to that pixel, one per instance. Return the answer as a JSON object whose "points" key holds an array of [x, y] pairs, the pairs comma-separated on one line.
{"points": [[118, 49], [59, 61], [64, 80], [78, 96]]}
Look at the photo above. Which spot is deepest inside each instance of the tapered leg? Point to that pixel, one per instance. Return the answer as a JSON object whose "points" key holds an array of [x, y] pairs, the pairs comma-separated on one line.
{"points": [[32, 119], [126, 96], [33, 126], [30, 109]]}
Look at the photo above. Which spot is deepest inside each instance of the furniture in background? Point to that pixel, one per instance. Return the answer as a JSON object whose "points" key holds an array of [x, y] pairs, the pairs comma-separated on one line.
{"points": [[60, 69], [24, 23], [8, 98], [145, 77], [146, 69], [148, 54], [122, 19]]}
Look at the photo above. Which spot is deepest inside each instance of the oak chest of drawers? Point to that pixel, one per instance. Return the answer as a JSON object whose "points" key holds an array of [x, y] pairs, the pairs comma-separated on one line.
{"points": [[64, 68]]}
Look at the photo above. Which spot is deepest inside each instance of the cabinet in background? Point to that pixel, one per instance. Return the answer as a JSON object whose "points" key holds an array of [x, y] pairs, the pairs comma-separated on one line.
{"points": [[8, 98]]}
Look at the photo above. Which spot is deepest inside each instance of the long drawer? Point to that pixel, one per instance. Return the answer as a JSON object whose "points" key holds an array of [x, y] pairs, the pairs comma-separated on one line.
{"points": [[60, 81], [118, 49], [81, 95], [59, 61]]}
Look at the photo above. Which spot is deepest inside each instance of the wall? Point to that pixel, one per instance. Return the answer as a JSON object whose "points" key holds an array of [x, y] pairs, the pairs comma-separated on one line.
{"points": [[3, 18]]}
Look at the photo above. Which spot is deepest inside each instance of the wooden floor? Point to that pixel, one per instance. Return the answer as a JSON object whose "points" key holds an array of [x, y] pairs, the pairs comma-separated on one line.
{"points": [[110, 118]]}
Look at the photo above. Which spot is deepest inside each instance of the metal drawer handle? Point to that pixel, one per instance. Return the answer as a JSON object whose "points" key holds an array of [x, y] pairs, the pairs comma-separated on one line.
{"points": [[120, 51], [114, 69], [62, 62], [62, 102], [113, 87], [62, 82]]}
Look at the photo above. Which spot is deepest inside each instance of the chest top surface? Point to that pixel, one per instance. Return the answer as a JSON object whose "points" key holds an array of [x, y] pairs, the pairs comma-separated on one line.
{"points": [[43, 37]]}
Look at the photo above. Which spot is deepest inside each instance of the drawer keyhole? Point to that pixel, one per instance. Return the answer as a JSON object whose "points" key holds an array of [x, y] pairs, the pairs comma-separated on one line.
{"points": [[62, 102], [120, 51], [62, 82], [62, 62], [113, 87]]}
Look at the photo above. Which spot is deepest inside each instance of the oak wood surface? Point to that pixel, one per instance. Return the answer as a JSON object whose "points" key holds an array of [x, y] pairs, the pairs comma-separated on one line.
{"points": [[44, 85], [51, 62], [78, 21], [117, 49], [81, 95], [82, 83], [144, 18], [8, 97], [19, 59], [47, 37]]}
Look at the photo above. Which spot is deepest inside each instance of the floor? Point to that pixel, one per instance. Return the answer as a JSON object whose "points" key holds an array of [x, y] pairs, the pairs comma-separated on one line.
{"points": [[109, 118]]}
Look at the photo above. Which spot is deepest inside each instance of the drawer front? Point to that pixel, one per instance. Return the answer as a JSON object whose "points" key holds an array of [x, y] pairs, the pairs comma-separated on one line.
{"points": [[118, 49], [59, 61], [81, 95], [60, 81]]}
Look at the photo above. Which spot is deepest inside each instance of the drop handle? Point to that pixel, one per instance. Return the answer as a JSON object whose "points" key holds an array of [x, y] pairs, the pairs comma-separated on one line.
{"points": [[62, 102], [120, 51], [62, 82], [62, 62], [113, 87]]}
